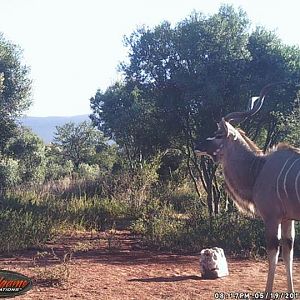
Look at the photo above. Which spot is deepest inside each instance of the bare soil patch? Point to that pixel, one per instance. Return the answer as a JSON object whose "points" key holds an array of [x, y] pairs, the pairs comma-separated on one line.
{"points": [[115, 266]]}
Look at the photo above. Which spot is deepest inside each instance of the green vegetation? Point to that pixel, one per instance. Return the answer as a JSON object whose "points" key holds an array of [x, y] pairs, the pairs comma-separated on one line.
{"points": [[180, 80], [133, 166]]}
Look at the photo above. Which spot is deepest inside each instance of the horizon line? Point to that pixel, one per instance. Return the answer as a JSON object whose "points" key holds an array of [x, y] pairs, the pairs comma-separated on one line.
{"points": [[55, 116]]}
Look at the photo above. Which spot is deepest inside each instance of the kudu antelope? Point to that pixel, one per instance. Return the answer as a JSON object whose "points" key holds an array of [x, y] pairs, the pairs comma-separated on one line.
{"points": [[267, 185]]}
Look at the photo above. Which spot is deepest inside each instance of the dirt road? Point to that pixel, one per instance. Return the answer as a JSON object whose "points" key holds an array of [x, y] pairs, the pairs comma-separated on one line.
{"points": [[115, 267]]}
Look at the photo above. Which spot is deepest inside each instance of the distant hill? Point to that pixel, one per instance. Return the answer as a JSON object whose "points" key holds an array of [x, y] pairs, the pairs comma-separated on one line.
{"points": [[45, 127]]}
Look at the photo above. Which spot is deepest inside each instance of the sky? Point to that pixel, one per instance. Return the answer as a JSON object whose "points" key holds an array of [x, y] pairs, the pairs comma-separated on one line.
{"points": [[73, 47]]}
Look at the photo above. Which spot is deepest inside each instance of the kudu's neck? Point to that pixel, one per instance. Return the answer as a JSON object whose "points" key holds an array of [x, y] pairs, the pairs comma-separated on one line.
{"points": [[238, 150], [241, 165]]}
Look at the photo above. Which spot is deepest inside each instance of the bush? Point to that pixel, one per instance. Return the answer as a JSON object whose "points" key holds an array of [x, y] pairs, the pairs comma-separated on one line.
{"points": [[29, 150], [182, 197], [235, 233], [55, 171], [23, 224], [87, 171], [134, 186], [95, 213], [9, 173], [23, 229], [161, 226]]}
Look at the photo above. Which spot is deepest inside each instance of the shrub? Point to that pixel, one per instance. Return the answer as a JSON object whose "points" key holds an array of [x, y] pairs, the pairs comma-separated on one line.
{"points": [[161, 226], [9, 173], [55, 171], [235, 233], [23, 224], [95, 213], [87, 171]]}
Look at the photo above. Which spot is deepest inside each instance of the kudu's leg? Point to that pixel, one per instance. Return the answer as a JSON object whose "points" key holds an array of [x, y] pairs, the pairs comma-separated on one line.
{"points": [[288, 236], [272, 243]]}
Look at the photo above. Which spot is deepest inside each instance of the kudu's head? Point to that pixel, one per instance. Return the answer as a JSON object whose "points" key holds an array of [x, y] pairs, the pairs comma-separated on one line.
{"points": [[226, 134]]}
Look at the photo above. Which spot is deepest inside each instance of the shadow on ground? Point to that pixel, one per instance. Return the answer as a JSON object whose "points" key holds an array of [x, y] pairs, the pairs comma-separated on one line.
{"points": [[166, 279]]}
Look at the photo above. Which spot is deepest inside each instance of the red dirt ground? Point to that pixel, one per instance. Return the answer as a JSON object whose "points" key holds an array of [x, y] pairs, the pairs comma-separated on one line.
{"points": [[126, 271]]}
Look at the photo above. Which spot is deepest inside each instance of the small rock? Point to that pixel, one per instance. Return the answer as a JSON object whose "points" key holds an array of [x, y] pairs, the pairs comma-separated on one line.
{"points": [[213, 263]]}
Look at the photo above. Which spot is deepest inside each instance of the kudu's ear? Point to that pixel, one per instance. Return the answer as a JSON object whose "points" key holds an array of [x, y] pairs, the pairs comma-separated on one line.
{"points": [[222, 128], [226, 129]]}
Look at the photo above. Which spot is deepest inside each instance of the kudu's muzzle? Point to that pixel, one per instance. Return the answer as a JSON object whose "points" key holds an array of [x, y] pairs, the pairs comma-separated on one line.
{"points": [[207, 147], [201, 148]]}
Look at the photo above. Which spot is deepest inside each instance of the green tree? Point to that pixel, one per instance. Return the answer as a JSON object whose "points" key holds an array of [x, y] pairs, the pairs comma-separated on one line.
{"points": [[29, 151], [15, 87], [272, 61], [81, 144], [180, 81], [9, 174], [56, 166], [288, 126], [129, 120]]}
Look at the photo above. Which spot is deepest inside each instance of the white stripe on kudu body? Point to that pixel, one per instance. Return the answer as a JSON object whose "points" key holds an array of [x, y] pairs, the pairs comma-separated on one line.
{"points": [[278, 178], [286, 174], [296, 185]]}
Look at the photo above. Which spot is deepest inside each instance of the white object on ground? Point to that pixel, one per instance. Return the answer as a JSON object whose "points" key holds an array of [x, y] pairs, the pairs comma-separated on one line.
{"points": [[213, 263]]}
